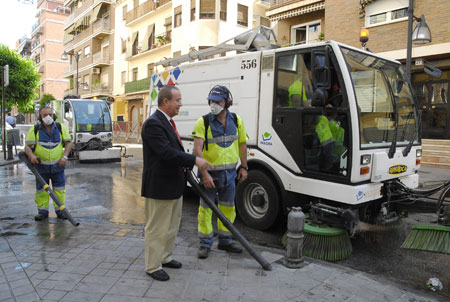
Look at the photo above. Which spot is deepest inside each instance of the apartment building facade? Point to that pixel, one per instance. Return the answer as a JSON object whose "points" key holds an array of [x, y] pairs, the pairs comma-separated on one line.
{"points": [[387, 22], [47, 46], [149, 31], [89, 45]]}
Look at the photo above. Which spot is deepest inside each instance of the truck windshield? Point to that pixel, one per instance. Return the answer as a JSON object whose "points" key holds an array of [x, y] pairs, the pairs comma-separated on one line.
{"points": [[382, 93], [92, 116]]}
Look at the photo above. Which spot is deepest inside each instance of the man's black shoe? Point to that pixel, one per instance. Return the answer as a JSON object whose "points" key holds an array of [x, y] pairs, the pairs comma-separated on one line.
{"points": [[231, 248], [172, 264], [40, 217], [203, 252], [159, 275], [60, 215]]}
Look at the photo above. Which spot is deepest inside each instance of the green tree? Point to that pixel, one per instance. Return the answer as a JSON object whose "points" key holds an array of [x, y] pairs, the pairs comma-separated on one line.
{"points": [[23, 80], [46, 98]]}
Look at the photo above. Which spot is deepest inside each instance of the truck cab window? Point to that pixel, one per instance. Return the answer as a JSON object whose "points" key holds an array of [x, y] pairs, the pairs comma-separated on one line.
{"points": [[294, 87]]}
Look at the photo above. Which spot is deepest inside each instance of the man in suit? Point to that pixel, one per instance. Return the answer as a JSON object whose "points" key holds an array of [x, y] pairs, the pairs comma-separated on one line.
{"points": [[163, 182]]}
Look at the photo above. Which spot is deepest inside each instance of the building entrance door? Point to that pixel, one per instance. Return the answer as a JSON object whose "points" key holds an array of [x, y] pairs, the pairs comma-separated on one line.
{"points": [[433, 98]]}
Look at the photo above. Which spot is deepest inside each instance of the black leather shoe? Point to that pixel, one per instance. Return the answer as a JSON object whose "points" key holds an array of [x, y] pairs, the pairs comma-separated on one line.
{"points": [[40, 217], [159, 275], [231, 248], [172, 264], [203, 252]]}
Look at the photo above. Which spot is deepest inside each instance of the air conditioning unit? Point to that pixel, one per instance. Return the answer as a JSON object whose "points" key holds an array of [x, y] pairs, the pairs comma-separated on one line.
{"points": [[96, 70]]}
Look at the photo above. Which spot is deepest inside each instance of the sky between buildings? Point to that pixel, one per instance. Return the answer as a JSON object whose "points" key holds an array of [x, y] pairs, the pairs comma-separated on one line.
{"points": [[16, 21]]}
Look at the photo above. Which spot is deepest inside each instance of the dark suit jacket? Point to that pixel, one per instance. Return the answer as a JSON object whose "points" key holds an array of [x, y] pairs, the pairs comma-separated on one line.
{"points": [[164, 159]]}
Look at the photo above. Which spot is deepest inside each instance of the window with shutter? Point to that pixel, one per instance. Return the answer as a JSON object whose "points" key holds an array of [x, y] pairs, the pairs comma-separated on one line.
{"points": [[207, 9]]}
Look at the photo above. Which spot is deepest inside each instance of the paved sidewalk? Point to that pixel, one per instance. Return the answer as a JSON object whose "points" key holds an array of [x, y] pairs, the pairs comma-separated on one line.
{"points": [[103, 261]]}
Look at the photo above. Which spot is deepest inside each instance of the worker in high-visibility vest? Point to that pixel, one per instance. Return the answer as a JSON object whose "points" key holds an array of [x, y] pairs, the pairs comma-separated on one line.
{"points": [[331, 138], [223, 144], [51, 143]]}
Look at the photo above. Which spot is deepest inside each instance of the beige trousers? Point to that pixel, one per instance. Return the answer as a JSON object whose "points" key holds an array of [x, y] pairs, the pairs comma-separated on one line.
{"points": [[162, 223]]}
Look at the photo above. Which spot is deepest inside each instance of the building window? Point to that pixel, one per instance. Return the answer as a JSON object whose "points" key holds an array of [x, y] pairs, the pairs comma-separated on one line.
{"points": [[120, 118], [134, 76], [123, 78], [242, 18], [177, 16], [305, 33], [168, 25], [87, 51], [42, 49], [124, 12], [80, 3], [42, 88], [223, 10], [207, 9], [386, 11], [193, 10], [150, 69], [79, 54]]}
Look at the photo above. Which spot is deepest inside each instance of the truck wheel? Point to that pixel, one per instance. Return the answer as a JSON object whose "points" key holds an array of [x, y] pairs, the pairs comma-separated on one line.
{"points": [[257, 201]]}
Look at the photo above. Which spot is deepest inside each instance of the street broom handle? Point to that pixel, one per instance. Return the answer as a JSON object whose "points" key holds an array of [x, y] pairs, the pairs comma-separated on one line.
{"points": [[23, 157], [199, 190]]}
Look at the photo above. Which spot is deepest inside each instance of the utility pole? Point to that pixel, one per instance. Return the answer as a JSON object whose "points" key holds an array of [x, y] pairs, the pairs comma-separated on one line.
{"points": [[5, 82]]}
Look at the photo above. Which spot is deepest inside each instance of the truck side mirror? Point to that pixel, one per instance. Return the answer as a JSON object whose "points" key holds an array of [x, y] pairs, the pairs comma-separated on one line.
{"points": [[320, 65]]}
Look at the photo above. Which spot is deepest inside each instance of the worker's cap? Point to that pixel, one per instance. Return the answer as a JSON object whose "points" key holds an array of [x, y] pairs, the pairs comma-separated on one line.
{"points": [[218, 93]]}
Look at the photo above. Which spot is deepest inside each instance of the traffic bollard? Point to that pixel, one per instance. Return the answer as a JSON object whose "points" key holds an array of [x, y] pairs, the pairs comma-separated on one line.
{"points": [[296, 225]]}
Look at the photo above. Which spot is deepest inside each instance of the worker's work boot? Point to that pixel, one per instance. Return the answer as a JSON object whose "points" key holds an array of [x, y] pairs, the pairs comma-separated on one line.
{"points": [[203, 252], [42, 215], [231, 248], [60, 215]]}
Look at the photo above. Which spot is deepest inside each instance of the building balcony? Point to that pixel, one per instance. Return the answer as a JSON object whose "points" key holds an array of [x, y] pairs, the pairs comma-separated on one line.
{"points": [[143, 10], [99, 1], [139, 85], [100, 59], [68, 71], [69, 19], [101, 28]]}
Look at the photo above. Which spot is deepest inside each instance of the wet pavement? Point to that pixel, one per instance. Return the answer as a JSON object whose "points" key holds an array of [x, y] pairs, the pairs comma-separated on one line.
{"points": [[102, 259]]}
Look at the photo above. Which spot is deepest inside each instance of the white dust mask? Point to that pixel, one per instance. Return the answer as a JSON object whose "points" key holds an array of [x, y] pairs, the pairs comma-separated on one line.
{"points": [[215, 108], [48, 120]]}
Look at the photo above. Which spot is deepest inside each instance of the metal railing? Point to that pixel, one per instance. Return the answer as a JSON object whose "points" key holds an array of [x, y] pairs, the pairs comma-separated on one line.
{"points": [[127, 131], [102, 25], [100, 57], [143, 9]]}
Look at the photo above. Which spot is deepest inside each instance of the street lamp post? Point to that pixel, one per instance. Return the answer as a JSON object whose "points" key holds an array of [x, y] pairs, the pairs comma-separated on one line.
{"points": [[420, 35], [77, 57]]}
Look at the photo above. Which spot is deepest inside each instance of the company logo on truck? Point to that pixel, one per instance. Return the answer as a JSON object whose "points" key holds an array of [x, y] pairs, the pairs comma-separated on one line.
{"points": [[266, 139], [397, 169]]}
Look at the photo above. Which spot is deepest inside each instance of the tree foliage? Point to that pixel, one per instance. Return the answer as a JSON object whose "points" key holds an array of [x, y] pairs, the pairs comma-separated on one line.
{"points": [[46, 98], [23, 80]]}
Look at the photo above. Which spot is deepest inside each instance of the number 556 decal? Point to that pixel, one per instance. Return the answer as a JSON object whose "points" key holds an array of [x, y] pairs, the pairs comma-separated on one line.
{"points": [[248, 64]]}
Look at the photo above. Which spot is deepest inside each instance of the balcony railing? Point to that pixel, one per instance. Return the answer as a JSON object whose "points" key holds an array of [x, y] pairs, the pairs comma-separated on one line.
{"points": [[164, 38], [100, 89], [100, 58], [139, 85], [101, 26], [143, 9]]}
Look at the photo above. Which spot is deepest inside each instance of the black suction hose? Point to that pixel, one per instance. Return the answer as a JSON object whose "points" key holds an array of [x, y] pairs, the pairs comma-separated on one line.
{"points": [[23, 157], [199, 190]]}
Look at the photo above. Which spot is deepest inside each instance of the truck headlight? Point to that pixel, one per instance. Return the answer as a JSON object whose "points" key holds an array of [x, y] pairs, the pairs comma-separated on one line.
{"points": [[365, 159], [109, 134], [419, 153]]}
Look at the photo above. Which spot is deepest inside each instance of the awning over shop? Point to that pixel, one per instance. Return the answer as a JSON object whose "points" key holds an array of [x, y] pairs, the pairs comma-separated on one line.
{"points": [[297, 11], [148, 34], [72, 29], [95, 13]]}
